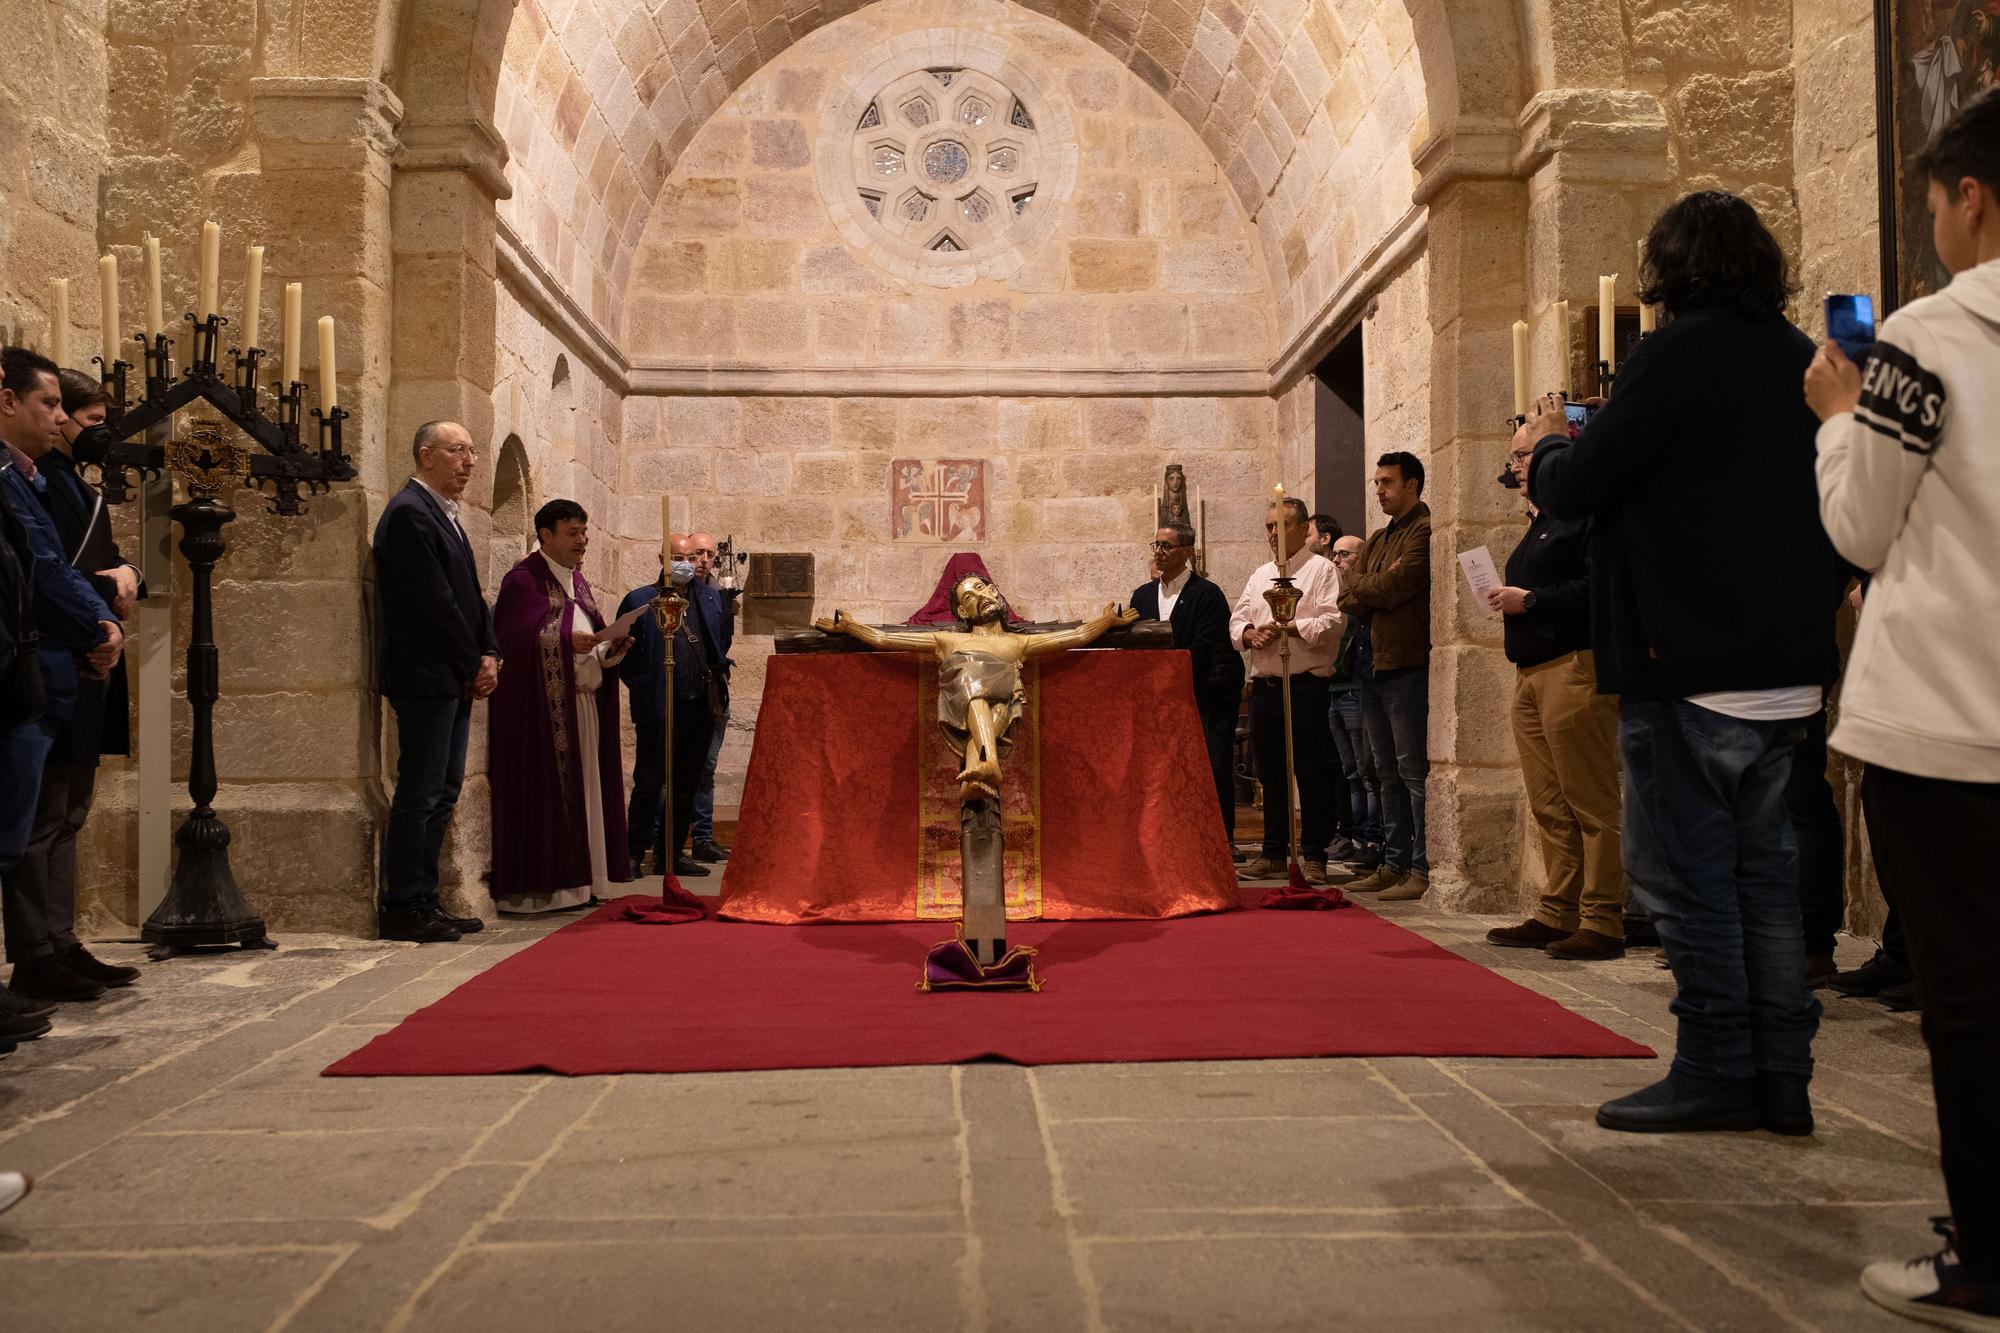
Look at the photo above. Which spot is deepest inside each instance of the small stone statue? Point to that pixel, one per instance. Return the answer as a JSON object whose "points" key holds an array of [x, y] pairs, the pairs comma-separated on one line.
{"points": [[1174, 507]]}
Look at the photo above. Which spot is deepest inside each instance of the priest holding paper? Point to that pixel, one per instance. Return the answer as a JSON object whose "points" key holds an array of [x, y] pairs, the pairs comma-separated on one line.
{"points": [[558, 796]]}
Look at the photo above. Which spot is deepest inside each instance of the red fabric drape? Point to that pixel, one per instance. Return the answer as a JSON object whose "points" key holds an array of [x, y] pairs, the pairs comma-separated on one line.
{"points": [[830, 828], [938, 610]]}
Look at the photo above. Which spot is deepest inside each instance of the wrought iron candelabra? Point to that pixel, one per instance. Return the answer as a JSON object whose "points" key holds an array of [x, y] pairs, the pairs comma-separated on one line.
{"points": [[203, 906]]}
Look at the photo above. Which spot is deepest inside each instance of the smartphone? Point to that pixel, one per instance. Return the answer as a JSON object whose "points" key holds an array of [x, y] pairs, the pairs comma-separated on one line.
{"points": [[1579, 416], [1850, 322]]}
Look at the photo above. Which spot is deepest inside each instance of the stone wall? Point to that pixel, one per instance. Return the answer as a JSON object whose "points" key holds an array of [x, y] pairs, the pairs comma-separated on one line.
{"points": [[52, 109]]}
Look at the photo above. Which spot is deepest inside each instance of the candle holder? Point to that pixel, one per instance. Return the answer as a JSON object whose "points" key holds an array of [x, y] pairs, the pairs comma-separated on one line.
{"points": [[203, 907], [1606, 376]]}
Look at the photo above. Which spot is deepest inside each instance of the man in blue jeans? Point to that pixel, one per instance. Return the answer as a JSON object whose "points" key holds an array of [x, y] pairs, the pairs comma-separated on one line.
{"points": [[1363, 849], [1710, 577]]}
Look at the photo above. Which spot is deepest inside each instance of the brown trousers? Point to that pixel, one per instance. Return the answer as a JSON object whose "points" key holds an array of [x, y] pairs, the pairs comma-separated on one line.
{"points": [[1567, 736]]}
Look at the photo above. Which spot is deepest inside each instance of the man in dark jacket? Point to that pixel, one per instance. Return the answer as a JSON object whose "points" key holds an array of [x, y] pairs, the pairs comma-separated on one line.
{"points": [[1566, 734], [1709, 617], [1199, 614], [435, 653], [701, 693], [80, 641]]}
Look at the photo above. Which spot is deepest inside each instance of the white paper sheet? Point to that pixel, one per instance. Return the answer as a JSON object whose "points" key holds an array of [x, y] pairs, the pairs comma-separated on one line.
{"points": [[1480, 574]]}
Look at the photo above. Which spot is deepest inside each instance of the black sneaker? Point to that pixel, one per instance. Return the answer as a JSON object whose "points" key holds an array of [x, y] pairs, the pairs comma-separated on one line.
{"points": [[1872, 977], [708, 852], [48, 978], [1934, 1289], [416, 925], [79, 961], [687, 869]]}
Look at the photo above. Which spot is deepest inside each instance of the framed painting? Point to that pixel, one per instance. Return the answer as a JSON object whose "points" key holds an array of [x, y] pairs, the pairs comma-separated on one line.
{"points": [[1931, 58], [937, 500]]}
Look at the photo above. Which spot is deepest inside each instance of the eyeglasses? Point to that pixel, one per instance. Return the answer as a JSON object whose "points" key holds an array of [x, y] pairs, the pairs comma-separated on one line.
{"points": [[464, 451], [1164, 547], [1521, 457]]}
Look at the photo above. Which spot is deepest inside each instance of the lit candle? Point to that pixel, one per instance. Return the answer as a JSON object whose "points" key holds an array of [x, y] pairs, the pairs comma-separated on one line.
{"points": [[1156, 509], [107, 283], [253, 294], [155, 320], [1607, 319], [1562, 346], [59, 321], [1200, 516], [666, 529], [211, 262], [1278, 535], [1521, 394], [290, 373], [329, 388]]}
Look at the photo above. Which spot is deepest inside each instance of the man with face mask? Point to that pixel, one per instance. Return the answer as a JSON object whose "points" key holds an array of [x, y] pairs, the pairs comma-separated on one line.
{"points": [[698, 680]]}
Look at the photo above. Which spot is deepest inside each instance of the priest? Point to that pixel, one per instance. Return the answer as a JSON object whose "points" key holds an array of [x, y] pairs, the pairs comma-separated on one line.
{"points": [[558, 797]]}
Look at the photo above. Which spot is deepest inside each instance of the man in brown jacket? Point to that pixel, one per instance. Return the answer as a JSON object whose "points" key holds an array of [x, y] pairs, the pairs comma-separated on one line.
{"points": [[1387, 587]]}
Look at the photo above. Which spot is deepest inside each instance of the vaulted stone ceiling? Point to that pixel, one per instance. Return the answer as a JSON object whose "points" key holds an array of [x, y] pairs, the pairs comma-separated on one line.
{"points": [[1310, 108]]}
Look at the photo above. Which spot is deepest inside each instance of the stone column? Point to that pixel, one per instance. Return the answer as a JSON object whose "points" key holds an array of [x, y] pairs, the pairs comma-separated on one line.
{"points": [[1521, 216], [448, 175]]}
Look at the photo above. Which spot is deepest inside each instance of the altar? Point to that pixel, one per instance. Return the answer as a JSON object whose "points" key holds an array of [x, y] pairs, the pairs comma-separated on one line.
{"points": [[850, 807]]}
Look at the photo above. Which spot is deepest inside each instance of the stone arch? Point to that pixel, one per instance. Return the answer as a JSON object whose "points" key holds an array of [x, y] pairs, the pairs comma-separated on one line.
{"points": [[513, 509]]}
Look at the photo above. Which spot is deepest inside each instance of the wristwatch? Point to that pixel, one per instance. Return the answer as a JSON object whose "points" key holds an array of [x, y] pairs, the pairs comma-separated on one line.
{"points": [[1528, 600]]}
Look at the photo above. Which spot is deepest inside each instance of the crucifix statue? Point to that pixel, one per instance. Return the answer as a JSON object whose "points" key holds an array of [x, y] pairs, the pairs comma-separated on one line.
{"points": [[979, 698]]}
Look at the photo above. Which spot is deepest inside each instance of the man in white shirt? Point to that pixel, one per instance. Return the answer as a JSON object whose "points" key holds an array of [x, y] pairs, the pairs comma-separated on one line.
{"points": [[1199, 613], [1315, 640]]}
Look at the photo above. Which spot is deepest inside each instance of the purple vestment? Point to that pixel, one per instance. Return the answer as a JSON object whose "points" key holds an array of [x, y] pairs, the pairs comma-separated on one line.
{"points": [[540, 841]]}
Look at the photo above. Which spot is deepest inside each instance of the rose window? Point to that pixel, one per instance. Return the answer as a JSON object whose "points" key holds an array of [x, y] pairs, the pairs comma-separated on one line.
{"points": [[946, 159]]}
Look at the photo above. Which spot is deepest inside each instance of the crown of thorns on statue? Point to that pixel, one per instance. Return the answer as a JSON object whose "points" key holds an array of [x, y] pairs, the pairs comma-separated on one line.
{"points": [[965, 623]]}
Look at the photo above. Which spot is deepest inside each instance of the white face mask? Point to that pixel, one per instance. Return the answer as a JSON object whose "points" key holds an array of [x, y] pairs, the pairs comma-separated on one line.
{"points": [[681, 572]]}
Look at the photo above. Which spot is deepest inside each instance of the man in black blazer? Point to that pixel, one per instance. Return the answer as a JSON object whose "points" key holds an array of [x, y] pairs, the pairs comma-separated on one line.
{"points": [[1199, 613], [435, 653]]}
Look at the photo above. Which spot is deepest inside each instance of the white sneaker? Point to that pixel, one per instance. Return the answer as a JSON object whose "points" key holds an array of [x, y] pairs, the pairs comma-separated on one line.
{"points": [[1933, 1289], [14, 1187]]}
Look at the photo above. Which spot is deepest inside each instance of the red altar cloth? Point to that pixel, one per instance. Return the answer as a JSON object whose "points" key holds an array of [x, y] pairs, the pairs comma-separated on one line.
{"points": [[850, 812]]}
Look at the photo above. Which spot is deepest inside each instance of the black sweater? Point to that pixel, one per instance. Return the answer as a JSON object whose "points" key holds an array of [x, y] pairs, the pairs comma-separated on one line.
{"points": [[1551, 562], [1709, 569]]}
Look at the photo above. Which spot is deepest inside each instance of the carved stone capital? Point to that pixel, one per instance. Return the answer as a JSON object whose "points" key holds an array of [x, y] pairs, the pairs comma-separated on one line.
{"points": [[326, 110], [1600, 135], [472, 146], [1474, 149]]}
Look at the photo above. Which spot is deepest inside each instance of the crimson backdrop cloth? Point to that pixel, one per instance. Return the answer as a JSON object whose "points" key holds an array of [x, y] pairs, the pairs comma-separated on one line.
{"points": [[539, 839], [939, 610], [604, 996], [1109, 805]]}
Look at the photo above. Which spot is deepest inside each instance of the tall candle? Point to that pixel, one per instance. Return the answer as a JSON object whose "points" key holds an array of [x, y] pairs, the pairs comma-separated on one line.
{"points": [[107, 284], [290, 372], [666, 530], [1521, 368], [1155, 515], [329, 387], [1278, 537], [1562, 346], [1607, 319], [59, 321], [155, 319], [1649, 319], [211, 262], [253, 294]]}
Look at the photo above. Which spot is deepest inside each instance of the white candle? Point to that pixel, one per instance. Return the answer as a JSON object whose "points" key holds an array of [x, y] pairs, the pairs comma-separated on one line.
{"points": [[1607, 319], [1278, 537], [666, 530], [290, 372], [1521, 394], [59, 321], [1649, 319], [211, 263], [107, 284], [329, 388], [253, 294], [1562, 345], [155, 319]]}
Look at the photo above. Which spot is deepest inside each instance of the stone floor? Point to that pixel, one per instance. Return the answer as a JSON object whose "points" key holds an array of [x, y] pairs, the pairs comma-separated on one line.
{"points": [[194, 1172]]}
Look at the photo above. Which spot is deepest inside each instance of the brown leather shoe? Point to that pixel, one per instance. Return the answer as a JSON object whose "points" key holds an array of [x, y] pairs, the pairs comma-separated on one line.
{"points": [[1406, 890], [1377, 880], [1315, 872], [1530, 934], [1262, 868], [1587, 946]]}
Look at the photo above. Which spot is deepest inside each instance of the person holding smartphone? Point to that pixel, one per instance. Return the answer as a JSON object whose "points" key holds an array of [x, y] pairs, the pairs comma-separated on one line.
{"points": [[1909, 484]]}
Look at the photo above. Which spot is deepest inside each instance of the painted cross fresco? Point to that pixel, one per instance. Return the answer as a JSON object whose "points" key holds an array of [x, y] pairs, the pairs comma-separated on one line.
{"points": [[937, 500]]}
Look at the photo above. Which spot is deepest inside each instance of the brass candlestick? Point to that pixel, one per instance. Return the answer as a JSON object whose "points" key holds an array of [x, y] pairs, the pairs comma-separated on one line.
{"points": [[1283, 599]]}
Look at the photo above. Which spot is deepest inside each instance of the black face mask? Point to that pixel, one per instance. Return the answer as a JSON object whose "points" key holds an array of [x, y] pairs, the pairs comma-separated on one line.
{"points": [[91, 444], [1506, 479]]}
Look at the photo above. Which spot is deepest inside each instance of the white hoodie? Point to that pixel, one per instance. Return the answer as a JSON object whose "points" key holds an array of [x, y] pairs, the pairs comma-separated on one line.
{"points": [[1909, 488]]}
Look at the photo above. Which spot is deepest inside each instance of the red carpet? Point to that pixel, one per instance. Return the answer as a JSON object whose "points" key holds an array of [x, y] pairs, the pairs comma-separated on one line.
{"points": [[607, 997]]}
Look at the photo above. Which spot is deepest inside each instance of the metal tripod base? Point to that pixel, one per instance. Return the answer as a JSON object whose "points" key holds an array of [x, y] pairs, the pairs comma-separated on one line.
{"points": [[203, 909]]}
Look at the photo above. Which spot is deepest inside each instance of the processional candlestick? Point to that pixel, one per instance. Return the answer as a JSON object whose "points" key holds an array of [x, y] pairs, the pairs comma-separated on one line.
{"points": [[203, 906], [1283, 599]]}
